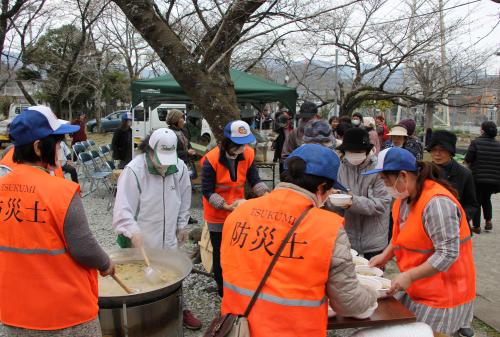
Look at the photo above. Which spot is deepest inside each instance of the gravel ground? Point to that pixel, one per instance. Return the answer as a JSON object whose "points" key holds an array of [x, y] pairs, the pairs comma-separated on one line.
{"points": [[199, 290]]}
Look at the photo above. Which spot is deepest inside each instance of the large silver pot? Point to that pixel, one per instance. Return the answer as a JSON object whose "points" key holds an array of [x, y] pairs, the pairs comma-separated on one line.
{"points": [[148, 314]]}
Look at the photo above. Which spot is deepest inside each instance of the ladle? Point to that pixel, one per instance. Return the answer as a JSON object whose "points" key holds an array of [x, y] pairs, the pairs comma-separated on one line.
{"points": [[123, 285], [152, 275]]}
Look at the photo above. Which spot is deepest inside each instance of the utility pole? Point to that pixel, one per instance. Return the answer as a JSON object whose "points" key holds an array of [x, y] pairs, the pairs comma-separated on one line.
{"points": [[335, 84], [406, 69], [442, 34]]}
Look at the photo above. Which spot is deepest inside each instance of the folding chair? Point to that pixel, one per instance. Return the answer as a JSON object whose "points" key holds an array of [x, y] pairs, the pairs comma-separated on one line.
{"points": [[105, 151], [92, 173], [86, 144], [77, 149], [101, 164]]}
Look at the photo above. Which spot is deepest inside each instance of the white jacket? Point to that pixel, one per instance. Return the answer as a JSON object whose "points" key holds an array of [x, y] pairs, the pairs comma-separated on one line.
{"points": [[152, 205]]}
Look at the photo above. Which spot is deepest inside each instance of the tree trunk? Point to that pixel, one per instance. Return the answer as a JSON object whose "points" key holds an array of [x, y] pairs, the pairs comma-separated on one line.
{"points": [[70, 111], [429, 115], [25, 92], [98, 109], [210, 88]]}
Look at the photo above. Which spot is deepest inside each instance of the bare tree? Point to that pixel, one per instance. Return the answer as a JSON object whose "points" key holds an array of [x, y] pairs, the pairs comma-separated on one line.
{"points": [[126, 41], [10, 9], [375, 52], [196, 41], [29, 25], [89, 11]]}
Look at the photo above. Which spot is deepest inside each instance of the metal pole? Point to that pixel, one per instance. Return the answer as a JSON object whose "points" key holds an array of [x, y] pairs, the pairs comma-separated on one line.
{"points": [[335, 83]]}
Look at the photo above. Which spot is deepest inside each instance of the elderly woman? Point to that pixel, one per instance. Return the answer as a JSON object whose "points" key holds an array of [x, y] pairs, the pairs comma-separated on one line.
{"points": [[367, 216], [431, 242], [412, 143], [319, 132], [176, 123], [48, 257], [369, 123]]}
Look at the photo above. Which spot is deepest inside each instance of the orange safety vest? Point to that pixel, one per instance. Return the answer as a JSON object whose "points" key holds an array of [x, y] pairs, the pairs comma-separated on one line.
{"points": [[293, 301], [447, 289], [42, 287], [225, 187], [8, 160]]}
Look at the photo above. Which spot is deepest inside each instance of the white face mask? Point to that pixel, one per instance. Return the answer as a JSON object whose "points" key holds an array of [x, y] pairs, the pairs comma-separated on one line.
{"points": [[355, 158], [356, 122], [60, 155], [393, 191]]}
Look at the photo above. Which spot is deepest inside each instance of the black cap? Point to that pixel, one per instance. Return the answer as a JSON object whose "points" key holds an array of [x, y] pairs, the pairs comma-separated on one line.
{"points": [[356, 139], [308, 109], [447, 139]]}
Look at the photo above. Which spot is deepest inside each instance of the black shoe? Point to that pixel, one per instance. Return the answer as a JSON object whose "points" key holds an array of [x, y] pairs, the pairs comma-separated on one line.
{"points": [[476, 230], [466, 332], [192, 221], [488, 226]]}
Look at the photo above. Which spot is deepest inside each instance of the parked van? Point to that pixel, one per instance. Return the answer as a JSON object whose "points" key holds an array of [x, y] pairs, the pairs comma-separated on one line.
{"points": [[14, 110], [143, 123]]}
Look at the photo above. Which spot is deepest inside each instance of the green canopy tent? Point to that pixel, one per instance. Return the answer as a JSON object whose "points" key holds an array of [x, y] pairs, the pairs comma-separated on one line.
{"points": [[249, 89]]}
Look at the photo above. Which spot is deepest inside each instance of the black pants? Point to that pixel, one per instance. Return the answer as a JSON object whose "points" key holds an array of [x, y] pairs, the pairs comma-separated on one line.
{"points": [[216, 239], [368, 256], [483, 195], [67, 168]]}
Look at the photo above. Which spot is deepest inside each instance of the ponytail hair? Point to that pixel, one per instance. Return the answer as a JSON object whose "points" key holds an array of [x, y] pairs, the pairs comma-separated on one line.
{"points": [[430, 171]]}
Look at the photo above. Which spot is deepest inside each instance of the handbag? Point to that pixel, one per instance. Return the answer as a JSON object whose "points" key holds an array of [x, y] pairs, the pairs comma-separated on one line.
{"points": [[232, 325]]}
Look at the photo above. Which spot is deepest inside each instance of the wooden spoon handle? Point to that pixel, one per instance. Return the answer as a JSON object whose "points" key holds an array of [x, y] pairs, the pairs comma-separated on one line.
{"points": [[146, 259], [123, 285]]}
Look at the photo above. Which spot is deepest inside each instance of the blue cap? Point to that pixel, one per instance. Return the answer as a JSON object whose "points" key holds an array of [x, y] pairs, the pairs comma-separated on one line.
{"points": [[126, 116], [394, 159], [320, 161], [37, 122], [239, 132]]}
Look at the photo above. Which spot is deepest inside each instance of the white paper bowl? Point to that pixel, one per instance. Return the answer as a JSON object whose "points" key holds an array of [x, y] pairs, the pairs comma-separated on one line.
{"points": [[368, 312], [370, 282], [386, 285], [354, 253], [340, 199], [368, 271], [360, 261]]}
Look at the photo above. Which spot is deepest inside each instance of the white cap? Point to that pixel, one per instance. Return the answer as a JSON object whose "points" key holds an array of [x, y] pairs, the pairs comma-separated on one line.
{"points": [[239, 132], [164, 144], [398, 131]]}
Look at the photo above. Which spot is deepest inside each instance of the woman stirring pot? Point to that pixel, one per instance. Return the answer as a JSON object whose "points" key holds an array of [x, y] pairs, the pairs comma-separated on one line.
{"points": [[431, 243]]}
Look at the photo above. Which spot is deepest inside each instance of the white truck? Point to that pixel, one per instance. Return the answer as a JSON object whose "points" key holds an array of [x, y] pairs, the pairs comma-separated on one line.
{"points": [[144, 123], [14, 110]]}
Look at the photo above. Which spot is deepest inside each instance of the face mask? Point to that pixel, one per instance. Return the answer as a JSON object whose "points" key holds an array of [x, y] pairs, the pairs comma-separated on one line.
{"points": [[356, 122], [393, 191], [355, 158], [60, 155]]}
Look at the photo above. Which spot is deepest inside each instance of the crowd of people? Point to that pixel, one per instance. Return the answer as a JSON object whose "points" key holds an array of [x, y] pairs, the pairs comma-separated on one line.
{"points": [[290, 245]]}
